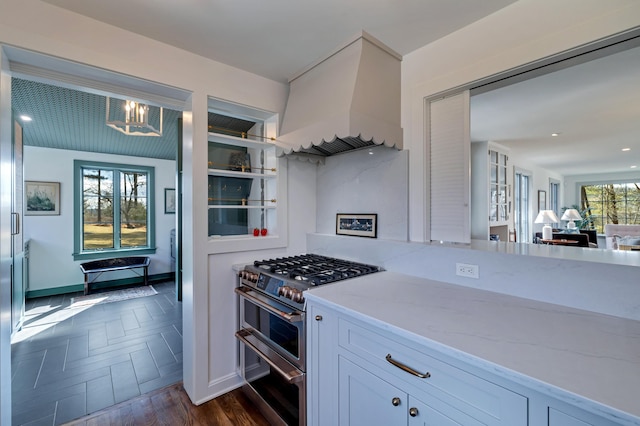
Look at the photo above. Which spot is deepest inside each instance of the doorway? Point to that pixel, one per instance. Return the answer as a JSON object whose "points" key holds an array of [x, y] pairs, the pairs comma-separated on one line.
{"points": [[57, 306]]}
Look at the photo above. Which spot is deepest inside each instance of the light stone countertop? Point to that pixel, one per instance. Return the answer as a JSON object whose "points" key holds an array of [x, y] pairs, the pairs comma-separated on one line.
{"points": [[558, 351]]}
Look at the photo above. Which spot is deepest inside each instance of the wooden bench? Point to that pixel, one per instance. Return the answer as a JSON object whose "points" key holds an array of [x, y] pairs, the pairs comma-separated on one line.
{"points": [[116, 264]]}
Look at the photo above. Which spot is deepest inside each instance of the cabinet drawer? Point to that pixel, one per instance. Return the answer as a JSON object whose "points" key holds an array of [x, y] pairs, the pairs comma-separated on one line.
{"points": [[575, 417], [485, 401]]}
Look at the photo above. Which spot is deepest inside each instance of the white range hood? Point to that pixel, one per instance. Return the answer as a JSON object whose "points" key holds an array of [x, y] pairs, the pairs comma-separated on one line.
{"points": [[349, 100]]}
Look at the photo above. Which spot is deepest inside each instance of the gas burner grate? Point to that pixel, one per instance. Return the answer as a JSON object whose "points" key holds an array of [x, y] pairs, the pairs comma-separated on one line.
{"points": [[315, 269]]}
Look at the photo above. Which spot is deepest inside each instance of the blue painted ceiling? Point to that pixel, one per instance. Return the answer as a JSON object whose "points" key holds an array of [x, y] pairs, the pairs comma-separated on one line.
{"points": [[70, 119]]}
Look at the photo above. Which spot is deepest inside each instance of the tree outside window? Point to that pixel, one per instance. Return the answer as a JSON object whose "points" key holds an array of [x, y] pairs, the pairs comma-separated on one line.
{"points": [[113, 206], [612, 203]]}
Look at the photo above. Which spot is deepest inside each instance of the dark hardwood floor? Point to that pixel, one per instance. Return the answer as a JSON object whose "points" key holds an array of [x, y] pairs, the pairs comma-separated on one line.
{"points": [[171, 406]]}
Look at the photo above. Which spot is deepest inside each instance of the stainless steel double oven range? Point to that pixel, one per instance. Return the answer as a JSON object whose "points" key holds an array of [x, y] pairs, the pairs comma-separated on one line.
{"points": [[272, 329]]}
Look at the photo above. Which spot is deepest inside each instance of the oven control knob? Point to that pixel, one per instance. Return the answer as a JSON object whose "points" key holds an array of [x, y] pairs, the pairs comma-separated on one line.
{"points": [[284, 291], [296, 295], [248, 276]]}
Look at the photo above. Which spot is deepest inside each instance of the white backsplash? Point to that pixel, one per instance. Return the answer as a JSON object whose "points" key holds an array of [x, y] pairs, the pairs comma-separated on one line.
{"points": [[524, 270], [366, 181]]}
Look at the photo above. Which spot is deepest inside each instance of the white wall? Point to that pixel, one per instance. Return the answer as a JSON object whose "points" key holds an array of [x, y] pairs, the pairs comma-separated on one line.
{"points": [[365, 181], [518, 34], [41, 27], [51, 248]]}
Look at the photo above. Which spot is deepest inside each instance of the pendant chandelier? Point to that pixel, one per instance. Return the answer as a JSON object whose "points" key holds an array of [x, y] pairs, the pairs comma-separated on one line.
{"points": [[134, 118]]}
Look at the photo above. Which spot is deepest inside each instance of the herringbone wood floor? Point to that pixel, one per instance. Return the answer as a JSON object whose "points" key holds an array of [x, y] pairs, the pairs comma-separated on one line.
{"points": [[171, 406]]}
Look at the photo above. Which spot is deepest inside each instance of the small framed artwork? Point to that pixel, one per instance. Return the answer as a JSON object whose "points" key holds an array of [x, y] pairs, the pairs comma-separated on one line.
{"points": [[542, 200], [42, 198], [359, 225], [169, 200]]}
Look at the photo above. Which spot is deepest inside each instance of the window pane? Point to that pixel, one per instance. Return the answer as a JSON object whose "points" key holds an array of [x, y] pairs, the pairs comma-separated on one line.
{"points": [[612, 203], [97, 209], [133, 209]]}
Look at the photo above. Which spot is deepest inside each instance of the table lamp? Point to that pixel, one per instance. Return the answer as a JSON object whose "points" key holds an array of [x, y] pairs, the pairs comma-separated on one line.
{"points": [[547, 217], [571, 215]]}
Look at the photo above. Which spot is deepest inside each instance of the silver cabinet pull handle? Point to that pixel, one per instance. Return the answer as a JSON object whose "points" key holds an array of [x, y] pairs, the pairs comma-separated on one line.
{"points": [[413, 411], [409, 370], [395, 401]]}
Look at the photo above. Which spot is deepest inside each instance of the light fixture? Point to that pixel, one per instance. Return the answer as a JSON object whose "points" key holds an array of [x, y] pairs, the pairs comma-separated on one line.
{"points": [[25, 118], [626, 149], [571, 215], [555, 134], [547, 217], [134, 118]]}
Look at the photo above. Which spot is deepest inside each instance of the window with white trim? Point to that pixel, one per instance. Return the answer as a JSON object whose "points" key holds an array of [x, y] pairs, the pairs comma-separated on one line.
{"points": [[554, 196], [522, 205]]}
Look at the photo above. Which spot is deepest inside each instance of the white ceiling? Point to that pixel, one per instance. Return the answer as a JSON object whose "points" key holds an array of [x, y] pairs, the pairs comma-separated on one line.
{"points": [[278, 38], [595, 108]]}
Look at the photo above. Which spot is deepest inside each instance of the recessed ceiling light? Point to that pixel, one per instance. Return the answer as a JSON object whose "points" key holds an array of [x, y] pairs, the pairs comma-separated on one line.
{"points": [[555, 134], [626, 149], [25, 118], [633, 167]]}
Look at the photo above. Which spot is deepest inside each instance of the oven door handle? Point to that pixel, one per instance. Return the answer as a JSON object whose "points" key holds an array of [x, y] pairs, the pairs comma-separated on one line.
{"points": [[250, 295], [271, 357]]}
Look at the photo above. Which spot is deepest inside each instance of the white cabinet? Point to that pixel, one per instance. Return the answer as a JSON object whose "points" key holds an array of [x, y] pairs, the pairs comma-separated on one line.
{"points": [[563, 415], [498, 195], [381, 379], [362, 373], [366, 399], [490, 191], [321, 338]]}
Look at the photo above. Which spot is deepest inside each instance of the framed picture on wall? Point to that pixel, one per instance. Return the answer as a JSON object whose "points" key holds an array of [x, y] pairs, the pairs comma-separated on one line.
{"points": [[542, 200], [169, 200], [41, 198], [359, 225]]}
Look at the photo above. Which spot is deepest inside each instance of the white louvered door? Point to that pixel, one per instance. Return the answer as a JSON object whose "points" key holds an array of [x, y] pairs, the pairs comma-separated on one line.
{"points": [[449, 150]]}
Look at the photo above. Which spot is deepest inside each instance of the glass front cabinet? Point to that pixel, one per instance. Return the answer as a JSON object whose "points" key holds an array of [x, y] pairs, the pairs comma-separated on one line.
{"points": [[491, 197], [498, 207], [243, 179]]}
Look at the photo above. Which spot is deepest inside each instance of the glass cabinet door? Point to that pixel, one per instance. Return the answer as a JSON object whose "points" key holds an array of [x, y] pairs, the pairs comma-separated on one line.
{"points": [[498, 195]]}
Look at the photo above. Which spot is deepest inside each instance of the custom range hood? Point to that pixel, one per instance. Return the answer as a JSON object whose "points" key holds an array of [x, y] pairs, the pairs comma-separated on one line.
{"points": [[349, 100]]}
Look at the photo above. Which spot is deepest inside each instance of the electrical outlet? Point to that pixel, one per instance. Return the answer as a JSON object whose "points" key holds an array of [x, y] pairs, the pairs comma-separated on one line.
{"points": [[467, 270]]}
